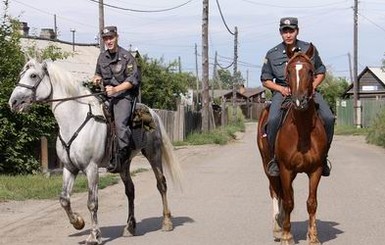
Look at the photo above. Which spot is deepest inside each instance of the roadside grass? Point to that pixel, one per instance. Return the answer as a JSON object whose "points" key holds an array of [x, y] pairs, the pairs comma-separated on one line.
{"points": [[220, 136], [24, 187], [350, 130]]}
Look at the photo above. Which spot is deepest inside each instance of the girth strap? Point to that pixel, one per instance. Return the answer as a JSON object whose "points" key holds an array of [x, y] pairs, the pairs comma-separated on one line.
{"points": [[67, 145]]}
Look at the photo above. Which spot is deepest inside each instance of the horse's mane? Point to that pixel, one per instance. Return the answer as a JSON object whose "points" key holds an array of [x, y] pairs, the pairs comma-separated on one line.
{"points": [[61, 79]]}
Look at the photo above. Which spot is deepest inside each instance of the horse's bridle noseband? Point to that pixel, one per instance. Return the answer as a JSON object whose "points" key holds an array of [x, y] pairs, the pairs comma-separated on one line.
{"points": [[36, 85]]}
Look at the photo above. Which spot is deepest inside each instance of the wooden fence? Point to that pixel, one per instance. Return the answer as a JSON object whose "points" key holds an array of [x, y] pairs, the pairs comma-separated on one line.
{"points": [[369, 110]]}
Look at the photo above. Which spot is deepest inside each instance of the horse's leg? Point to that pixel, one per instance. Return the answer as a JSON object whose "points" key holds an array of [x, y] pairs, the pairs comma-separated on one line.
{"points": [[312, 235], [288, 205], [155, 160], [68, 181], [130, 193], [277, 217], [92, 204]]}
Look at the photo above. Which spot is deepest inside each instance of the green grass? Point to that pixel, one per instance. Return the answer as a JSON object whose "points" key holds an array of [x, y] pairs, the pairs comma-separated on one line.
{"points": [[350, 130], [220, 136], [25, 187]]}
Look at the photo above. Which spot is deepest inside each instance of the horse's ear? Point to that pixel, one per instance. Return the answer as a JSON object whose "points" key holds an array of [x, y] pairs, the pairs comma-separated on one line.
{"points": [[310, 51], [44, 66]]}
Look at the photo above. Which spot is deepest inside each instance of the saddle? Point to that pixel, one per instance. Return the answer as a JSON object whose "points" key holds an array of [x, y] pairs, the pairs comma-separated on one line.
{"points": [[141, 123]]}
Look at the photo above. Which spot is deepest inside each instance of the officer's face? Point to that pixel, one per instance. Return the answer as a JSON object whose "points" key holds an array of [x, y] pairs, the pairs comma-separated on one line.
{"points": [[289, 36], [111, 42]]}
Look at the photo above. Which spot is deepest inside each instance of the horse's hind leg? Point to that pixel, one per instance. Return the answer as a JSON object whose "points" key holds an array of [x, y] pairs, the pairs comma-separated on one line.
{"points": [[155, 160], [130, 193], [68, 180], [92, 204]]}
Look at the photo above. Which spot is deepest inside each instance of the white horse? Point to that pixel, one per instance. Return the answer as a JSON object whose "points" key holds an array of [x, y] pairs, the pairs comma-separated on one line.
{"points": [[81, 144]]}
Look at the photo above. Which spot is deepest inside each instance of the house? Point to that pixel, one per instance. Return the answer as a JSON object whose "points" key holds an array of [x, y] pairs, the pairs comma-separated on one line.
{"points": [[371, 82]]}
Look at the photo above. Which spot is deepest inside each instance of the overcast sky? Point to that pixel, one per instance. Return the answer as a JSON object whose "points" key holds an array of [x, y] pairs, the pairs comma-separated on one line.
{"points": [[174, 33]]}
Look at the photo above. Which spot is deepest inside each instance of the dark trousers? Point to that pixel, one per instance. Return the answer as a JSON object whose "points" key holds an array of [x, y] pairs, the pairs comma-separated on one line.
{"points": [[122, 109], [275, 111]]}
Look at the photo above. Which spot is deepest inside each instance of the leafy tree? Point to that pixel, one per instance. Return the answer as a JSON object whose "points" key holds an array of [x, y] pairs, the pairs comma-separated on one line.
{"points": [[227, 79], [161, 86], [19, 133], [332, 88]]}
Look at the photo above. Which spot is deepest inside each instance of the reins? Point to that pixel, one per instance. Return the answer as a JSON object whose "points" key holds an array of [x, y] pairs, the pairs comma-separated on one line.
{"points": [[68, 98]]}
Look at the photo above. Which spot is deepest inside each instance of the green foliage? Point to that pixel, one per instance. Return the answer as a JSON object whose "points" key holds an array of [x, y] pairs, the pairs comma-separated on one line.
{"points": [[161, 86], [220, 136], [376, 133], [332, 88], [227, 79], [350, 130], [51, 52], [25, 187], [20, 133]]}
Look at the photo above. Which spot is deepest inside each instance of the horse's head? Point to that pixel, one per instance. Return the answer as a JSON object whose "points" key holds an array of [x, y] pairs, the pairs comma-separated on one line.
{"points": [[300, 77], [33, 85]]}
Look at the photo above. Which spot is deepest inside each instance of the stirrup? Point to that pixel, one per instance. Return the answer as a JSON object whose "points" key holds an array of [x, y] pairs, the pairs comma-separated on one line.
{"points": [[272, 168], [326, 168]]}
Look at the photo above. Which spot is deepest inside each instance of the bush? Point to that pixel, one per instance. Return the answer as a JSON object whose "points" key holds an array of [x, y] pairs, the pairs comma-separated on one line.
{"points": [[376, 133]]}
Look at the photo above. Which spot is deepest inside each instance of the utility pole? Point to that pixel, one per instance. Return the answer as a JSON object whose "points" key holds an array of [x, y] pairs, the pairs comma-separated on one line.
{"points": [[205, 68], [101, 25], [55, 25], [350, 68], [357, 104], [235, 67], [215, 74], [197, 76]]}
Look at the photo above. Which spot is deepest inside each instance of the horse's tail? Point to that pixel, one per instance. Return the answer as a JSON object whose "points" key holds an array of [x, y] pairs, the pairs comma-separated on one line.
{"points": [[170, 161]]}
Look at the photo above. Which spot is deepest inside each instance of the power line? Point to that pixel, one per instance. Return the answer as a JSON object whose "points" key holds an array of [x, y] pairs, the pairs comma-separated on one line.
{"points": [[366, 18], [292, 7], [143, 11], [223, 18]]}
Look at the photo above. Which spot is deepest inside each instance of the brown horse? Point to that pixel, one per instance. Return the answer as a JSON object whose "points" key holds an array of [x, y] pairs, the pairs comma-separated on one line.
{"points": [[300, 147]]}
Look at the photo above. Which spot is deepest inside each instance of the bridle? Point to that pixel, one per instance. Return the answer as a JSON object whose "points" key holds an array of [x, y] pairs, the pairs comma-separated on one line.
{"points": [[47, 100], [36, 85], [298, 66]]}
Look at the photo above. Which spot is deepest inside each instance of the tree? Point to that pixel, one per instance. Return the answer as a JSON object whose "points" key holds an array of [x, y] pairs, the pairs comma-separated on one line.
{"points": [[19, 133], [332, 88], [227, 79], [161, 85]]}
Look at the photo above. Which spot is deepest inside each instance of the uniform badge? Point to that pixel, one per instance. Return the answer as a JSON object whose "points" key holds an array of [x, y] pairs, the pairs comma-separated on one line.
{"points": [[130, 68], [117, 68]]}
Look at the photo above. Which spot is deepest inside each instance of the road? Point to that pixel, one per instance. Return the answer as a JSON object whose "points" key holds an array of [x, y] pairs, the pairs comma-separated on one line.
{"points": [[224, 201]]}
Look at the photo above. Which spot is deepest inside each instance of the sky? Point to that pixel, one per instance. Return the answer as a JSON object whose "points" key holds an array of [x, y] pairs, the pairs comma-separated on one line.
{"points": [[169, 34]]}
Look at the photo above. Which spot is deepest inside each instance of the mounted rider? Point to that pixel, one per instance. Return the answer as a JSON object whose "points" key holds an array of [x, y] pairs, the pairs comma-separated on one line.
{"points": [[273, 78], [118, 71]]}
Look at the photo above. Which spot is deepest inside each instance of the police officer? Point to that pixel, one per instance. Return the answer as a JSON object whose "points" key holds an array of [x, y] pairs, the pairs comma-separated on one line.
{"points": [[116, 68], [273, 78]]}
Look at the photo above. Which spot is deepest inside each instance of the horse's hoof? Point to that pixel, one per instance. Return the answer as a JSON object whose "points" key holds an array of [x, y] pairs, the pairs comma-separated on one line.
{"points": [[130, 228], [287, 242], [129, 231], [95, 238], [78, 224], [167, 226]]}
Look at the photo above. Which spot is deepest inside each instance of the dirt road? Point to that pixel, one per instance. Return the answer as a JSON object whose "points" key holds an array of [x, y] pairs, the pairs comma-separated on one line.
{"points": [[224, 201]]}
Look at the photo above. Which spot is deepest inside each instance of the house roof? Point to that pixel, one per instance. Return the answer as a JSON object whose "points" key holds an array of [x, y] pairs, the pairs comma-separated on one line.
{"points": [[378, 72]]}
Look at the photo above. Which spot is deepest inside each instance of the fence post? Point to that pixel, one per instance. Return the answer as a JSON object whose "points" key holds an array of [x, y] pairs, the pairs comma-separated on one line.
{"points": [[44, 154]]}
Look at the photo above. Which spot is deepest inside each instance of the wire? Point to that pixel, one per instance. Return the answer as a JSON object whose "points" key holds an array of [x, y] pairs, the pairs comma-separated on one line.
{"points": [[143, 11], [292, 7], [223, 19], [371, 22]]}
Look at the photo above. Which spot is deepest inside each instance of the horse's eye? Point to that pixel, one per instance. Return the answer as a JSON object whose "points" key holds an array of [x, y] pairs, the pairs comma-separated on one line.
{"points": [[33, 76]]}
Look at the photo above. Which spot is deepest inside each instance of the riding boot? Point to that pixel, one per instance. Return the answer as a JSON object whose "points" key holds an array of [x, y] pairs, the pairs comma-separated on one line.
{"points": [[272, 167], [325, 168], [115, 165]]}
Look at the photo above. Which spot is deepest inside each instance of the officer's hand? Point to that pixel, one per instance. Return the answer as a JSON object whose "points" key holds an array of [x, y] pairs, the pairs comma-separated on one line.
{"points": [[96, 80], [285, 91], [110, 90]]}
